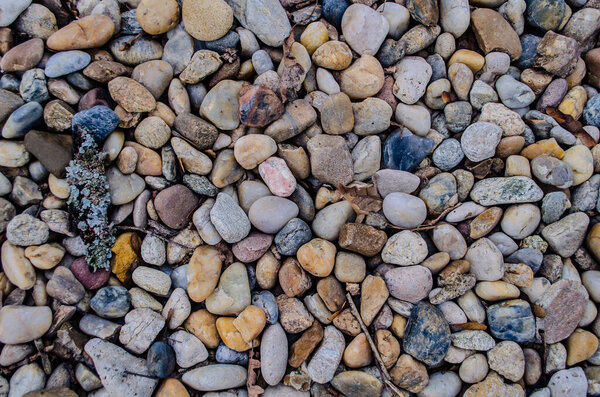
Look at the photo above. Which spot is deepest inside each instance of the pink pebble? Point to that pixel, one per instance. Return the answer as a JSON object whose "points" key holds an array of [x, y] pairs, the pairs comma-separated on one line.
{"points": [[278, 177]]}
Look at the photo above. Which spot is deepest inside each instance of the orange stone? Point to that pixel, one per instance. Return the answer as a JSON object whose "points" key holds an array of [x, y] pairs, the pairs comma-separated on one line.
{"points": [[202, 323]]}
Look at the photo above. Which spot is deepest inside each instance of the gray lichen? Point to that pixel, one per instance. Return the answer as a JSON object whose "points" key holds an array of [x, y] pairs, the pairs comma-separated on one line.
{"points": [[89, 199]]}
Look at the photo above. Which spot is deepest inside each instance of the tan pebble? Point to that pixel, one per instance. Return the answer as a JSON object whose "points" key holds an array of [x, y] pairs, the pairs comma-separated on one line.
{"points": [[358, 352], [317, 257], [250, 322], [202, 323], [203, 272], [581, 345], [45, 256], [127, 160]]}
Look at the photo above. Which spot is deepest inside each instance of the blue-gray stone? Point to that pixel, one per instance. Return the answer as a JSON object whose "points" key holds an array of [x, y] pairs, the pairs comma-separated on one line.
{"points": [[458, 115], [196, 92], [262, 62], [200, 184], [448, 154], [554, 205], [78, 80], [438, 123], [266, 301], [438, 67], [33, 86], [179, 277], [545, 14], [405, 152], [427, 334], [225, 355], [529, 256], [251, 270], [333, 11], [10, 82], [100, 120], [591, 113], [512, 320], [529, 43], [129, 22], [22, 120], [585, 196], [513, 93], [161, 359], [305, 203], [66, 62], [230, 40], [111, 302], [391, 51], [293, 235]]}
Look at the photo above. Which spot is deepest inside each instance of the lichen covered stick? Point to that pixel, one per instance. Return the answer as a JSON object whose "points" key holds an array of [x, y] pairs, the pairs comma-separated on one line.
{"points": [[89, 198]]}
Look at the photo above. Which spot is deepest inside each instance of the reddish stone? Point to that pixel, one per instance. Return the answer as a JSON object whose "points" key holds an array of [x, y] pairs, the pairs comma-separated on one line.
{"points": [[252, 247], [564, 304], [94, 97], [175, 206], [259, 106], [90, 279]]}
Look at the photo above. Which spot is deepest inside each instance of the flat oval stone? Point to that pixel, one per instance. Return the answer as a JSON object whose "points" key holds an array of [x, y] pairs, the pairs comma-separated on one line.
{"points": [[404, 210], [111, 302], [229, 219], [66, 62], [175, 206], [357, 383], [326, 359], [507, 190], [22, 324], [364, 29], [512, 320], [404, 248], [216, 377], [88, 32], [273, 354], [270, 214]]}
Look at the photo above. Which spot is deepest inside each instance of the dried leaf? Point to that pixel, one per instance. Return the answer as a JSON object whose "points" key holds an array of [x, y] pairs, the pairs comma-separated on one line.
{"points": [[364, 199], [480, 170], [225, 253], [570, 124], [253, 389], [471, 325], [290, 82], [538, 311], [448, 97]]}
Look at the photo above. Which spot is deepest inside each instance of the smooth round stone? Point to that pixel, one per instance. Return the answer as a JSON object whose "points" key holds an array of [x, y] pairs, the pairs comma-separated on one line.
{"points": [[410, 283], [473, 369], [448, 154], [412, 76], [371, 116], [10, 11], [327, 357], [591, 281], [225, 355], [252, 247], [333, 55], [22, 324], [216, 377], [22, 120], [273, 354], [455, 16], [26, 380], [26, 230], [363, 79], [90, 280], [591, 115], [66, 62], [277, 176], [232, 294], [545, 14], [404, 248], [580, 159], [357, 383], [328, 222], [404, 210], [568, 382], [364, 29], [414, 117], [161, 359], [553, 206], [479, 141], [442, 384], [513, 93], [270, 214], [486, 260], [389, 181], [551, 171], [221, 105], [512, 320], [88, 32], [397, 16], [259, 106], [448, 239], [520, 221], [111, 302], [157, 17]]}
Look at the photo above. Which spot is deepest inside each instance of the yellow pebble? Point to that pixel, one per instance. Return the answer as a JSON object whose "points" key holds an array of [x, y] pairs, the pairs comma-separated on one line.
{"points": [[126, 251], [547, 147], [470, 58], [574, 102], [171, 387], [314, 36]]}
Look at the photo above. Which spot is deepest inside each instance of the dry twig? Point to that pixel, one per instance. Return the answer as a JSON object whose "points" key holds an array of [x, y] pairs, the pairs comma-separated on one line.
{"points": [[384, 373]]}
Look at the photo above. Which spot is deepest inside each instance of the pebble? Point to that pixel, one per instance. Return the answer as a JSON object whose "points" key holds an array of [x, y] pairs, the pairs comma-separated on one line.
{"points": [[270, 214], [364, 29], [364, 78], [88, 32], [427, 334], [232, 294], [568, 382], [229, 219], [274, 354], [327, 357], [22, 324]]}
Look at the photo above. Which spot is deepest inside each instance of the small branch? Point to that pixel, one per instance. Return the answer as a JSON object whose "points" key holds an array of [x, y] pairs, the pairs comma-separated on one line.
{"points": [[140, 229], [136, 374], [127, 45], [384, 373]]}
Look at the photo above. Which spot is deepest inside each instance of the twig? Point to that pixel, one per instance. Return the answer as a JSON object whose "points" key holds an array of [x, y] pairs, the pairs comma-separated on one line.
{"points": [[140, 229], [127, 44], [142, 375], [384, 373]]}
